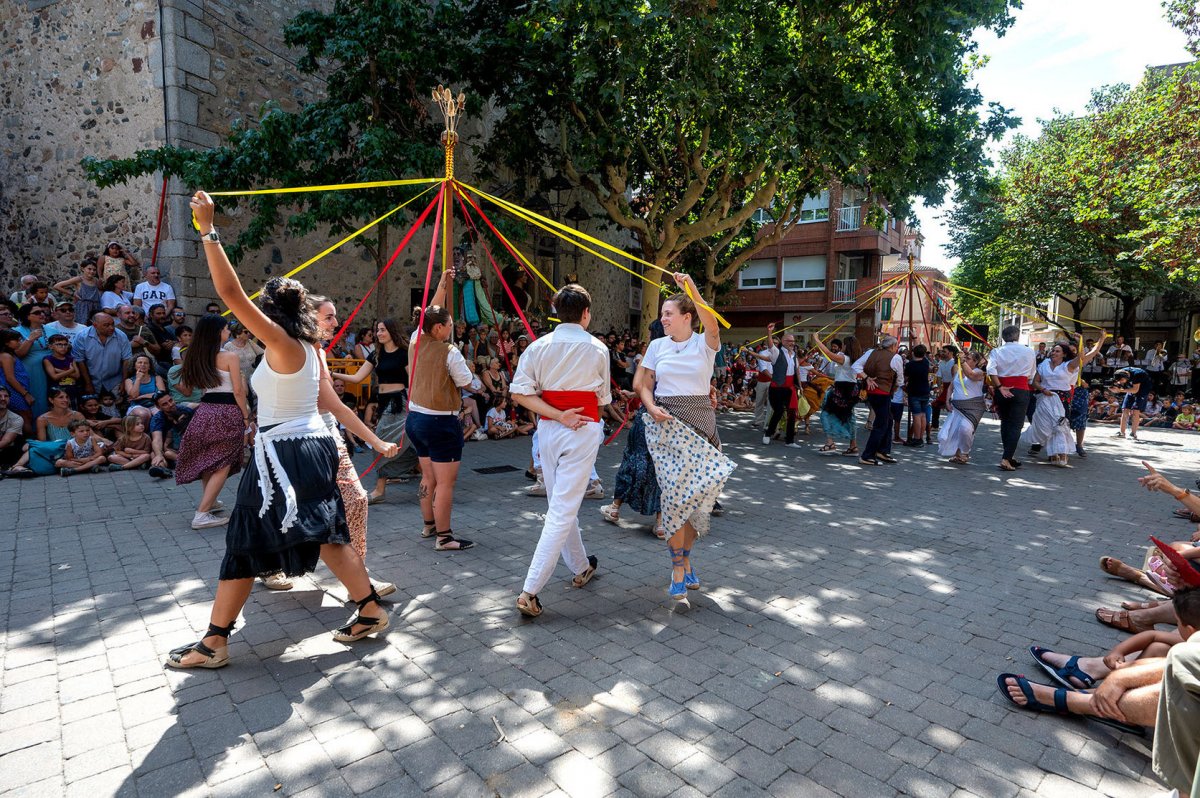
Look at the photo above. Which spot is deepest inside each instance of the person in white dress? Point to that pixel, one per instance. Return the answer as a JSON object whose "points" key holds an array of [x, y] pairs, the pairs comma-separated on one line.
{"points": [[1056, 378], [957, 433]]}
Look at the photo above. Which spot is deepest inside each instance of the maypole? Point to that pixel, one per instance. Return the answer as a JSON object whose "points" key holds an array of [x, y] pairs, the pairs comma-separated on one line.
{"points": [[451, 107]]}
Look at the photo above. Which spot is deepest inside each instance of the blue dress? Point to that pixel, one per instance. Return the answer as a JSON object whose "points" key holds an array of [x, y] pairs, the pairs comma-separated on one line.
{"points": [[637, 483], [38, 381]]}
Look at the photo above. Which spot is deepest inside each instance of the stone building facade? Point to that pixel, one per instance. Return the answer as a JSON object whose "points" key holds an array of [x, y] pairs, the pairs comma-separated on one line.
{"points": [[107, 78]]}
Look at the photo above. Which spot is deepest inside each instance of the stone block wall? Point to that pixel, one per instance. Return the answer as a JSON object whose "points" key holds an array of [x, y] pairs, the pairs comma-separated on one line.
{"points": [[109, 77]]}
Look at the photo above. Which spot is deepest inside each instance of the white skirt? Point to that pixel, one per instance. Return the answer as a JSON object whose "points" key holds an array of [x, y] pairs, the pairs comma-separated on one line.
{"points": [[956, 435], [1050, 427]]}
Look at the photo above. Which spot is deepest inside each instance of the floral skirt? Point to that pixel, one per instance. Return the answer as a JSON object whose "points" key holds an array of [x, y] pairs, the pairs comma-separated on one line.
{"points": [[214, 439], [256, 545], [691, 469], [1079, 408]]}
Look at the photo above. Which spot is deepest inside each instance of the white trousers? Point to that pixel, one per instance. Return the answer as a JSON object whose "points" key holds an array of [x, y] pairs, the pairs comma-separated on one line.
{"points": [[567, 456], [760, 403], [537, 452]]}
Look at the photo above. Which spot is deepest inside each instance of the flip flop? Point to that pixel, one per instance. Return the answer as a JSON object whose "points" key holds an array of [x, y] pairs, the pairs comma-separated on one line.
{"points": [[1063, 675]]}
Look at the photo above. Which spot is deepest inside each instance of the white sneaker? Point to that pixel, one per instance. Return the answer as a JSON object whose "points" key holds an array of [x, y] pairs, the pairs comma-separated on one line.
{"points": [[479, 435], [383, 588], [206, 520], [277, 581], [766, 440], [218, 506], [595, 490], [793, 446], [536, 489]]}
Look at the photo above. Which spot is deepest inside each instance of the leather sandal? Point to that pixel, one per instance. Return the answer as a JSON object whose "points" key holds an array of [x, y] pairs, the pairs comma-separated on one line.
{"points": [[1121, 619], [213, 658], [582, 579], [374, 625], [428, 529], [529, 607]]}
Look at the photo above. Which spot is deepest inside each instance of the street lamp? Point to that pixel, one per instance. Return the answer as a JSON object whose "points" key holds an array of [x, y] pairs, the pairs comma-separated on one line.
{"points": [[579, 217]]}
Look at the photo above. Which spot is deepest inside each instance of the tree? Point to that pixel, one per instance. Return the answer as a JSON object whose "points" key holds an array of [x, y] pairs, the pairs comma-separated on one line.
{"points": [[1108, 202], [684, 117], [380, 58]]}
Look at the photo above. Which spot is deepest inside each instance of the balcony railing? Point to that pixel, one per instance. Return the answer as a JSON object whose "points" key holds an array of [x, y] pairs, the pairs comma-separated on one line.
{"points": [[850, 218], [844, 291]]}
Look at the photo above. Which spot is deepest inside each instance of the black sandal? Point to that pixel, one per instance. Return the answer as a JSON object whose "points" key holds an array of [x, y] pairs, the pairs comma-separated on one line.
{"points": [[447, 542], [374, 625], [429, 529], [218, 658]]}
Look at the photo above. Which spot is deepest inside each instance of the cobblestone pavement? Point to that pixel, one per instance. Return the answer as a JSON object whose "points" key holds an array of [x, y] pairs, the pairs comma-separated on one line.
{"points": [[847, 640]]}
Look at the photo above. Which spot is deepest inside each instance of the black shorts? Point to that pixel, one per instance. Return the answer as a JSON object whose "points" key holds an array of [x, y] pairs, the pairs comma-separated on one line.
{"points": [[440, 438]]}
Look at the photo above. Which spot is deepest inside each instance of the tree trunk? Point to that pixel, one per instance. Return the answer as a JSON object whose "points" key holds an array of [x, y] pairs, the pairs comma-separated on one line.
{"points": [[1129, 307], [649, 310], [1077, 307]]}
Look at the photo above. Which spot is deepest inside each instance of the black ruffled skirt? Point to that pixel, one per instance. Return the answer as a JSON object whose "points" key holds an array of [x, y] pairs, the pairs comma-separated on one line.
{"points": [[255, 545]]}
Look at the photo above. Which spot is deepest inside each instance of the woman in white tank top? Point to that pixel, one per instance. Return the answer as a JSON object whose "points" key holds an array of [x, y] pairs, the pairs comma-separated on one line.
{"points": [[289, 512]]}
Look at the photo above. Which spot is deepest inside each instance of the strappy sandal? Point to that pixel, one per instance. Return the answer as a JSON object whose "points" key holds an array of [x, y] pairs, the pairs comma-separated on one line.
{"points": [[830, 448], [611, 513], [374, 625], [689, 576], [886, 458], [447, 542], [429, 529], [213, 658], [871, 462], [660, 532], [582, 579], [1121, 619], [851, 452], [1064, 674], [529, 607]]}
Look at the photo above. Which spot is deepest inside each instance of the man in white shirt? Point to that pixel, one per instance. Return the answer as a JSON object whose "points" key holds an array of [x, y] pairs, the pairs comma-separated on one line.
{"points": [[154, 292], [64, 321], [1009, 370], [563, 377], [762, 362], [781, 394]]}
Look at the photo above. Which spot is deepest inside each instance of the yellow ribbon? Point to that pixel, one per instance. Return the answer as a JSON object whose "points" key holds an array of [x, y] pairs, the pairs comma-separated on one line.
{"points": [[1000, 303], [419, 181], [345, 240], [511, 248]]}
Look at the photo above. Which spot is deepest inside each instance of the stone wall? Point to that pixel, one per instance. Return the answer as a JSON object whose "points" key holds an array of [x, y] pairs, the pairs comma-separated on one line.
{"points": [[180, 73], [79, 79]]}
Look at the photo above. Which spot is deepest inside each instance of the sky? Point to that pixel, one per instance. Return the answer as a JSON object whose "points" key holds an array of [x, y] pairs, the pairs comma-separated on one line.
{"points": [[1053, 56]]}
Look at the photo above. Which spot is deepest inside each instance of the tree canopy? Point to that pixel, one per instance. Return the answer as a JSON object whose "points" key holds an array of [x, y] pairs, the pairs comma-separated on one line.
{"points": [[684, 117], [1107, 202]]}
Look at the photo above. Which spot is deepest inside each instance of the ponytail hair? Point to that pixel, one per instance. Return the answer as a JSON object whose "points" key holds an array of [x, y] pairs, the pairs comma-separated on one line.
{"points": [[684, 304], [434, 315]]}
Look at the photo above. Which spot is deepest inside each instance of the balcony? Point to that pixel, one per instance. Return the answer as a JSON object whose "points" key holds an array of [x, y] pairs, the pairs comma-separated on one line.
{"points": [[844, 291], [849, 218]]}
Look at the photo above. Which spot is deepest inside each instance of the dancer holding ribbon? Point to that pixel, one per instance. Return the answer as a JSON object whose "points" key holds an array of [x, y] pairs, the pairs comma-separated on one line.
{"points": [[1056, 377], [967, 406], [673, 381], [289, 511], [563, 377]]}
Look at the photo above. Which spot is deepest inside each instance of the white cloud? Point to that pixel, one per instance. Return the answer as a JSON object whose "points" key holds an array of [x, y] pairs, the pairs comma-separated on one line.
{"points": [[1053, 56]]}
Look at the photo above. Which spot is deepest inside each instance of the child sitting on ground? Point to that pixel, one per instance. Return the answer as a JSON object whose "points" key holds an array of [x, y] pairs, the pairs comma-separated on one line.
{"points": [[498, 425], [1186, 419], [84, 452], [133, 448]]}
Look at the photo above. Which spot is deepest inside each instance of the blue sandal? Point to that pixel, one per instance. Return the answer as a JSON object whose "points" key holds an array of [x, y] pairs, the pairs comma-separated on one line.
{"points": [[1063, 675], [1060, 703], [678, 590], [689, 576]]}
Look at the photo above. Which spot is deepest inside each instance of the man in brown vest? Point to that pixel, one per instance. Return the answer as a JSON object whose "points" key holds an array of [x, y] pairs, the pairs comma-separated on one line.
{"points": [[884, 369]]}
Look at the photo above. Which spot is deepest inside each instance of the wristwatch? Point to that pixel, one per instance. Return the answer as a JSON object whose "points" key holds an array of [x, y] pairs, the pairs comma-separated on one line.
{"points": [[212, 236]]}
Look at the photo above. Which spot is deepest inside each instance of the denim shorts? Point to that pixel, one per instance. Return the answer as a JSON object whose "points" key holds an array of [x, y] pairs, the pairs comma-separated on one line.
{"points": [[439, 438], [918, 404], [1134, 402]]}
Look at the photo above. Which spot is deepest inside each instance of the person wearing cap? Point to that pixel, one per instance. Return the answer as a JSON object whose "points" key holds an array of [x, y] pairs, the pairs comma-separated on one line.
{"points": [[64, 321]]}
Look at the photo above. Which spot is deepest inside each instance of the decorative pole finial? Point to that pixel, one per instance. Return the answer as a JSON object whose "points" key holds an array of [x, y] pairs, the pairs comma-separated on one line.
{"points": [[451, 107]]}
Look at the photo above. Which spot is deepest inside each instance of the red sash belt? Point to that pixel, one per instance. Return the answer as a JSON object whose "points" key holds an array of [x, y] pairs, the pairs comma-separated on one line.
{"points": [[569, 400], [1015, 383]]}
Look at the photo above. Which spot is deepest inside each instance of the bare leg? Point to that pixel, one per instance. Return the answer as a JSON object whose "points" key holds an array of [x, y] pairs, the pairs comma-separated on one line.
{"points": [[1139, 705], [426, 490], [348, 567], [1137, 419], [380, 487], [212, 488], [231, 597], [442, 501], [689, 540]]}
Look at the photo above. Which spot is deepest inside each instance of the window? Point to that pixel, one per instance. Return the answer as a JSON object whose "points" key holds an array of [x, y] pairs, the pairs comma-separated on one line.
{"points": [[885, 310], [758, 274], [815, 208], [804, 274]]}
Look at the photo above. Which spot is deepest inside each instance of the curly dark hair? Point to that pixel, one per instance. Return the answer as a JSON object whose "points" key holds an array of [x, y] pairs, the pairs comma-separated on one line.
{"points": [[285, 302]]}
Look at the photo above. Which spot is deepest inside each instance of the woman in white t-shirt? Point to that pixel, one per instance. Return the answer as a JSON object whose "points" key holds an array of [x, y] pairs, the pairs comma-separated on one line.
{"points": [[1054, 381], [957, 433], [673, 381]]}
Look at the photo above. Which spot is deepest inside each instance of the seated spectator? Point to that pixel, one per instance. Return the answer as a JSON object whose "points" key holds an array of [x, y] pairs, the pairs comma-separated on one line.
{"points": [[84, 452], [350, 401], [116, 260], [15, 378], [142, 386], [178, 319], [154, 291], [20, 296], [166, 428], [64, 321], [53, 429], [157, 321], [176, 387], [114, 295], [12, 433], [498, 426], [60, 367], [102, 351], [92, 410], [470, 430], [495, 382], [134, 447], [212, 307], [1154, 407], [1084, 673], [1176, 744], [1186, 419], [183, 335]]}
